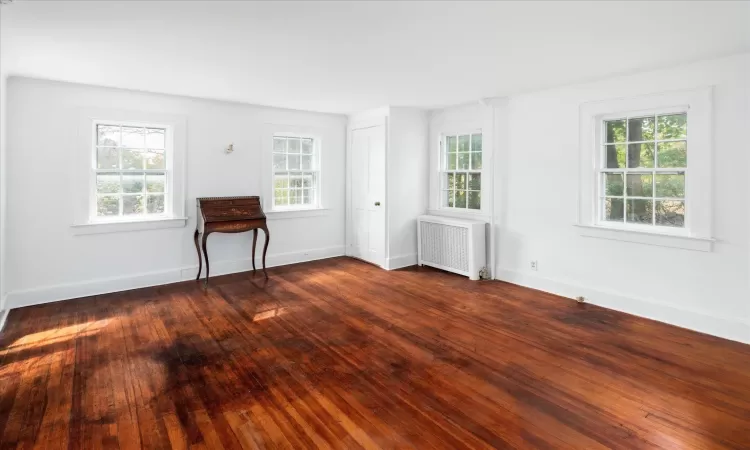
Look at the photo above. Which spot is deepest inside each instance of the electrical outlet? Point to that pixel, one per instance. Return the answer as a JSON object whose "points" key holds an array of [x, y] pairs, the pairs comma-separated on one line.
{"points": [[534, 265]]}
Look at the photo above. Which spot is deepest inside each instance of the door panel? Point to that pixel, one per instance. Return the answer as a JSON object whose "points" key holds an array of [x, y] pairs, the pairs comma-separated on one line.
{"points": [[368, 189]]}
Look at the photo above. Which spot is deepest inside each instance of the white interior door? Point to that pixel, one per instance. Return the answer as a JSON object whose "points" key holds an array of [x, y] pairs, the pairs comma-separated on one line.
{"points": [[368, 194]]}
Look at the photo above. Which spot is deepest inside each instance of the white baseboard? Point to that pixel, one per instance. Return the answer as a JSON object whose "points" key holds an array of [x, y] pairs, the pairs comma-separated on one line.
{"points": [[3, 318], [29, 297], [398, 262], [724, 327]]}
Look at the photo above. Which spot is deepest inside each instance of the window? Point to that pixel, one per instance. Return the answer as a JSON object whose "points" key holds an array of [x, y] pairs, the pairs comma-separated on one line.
{"points": [[642, 170], [131, 171], [645, 173], [296, 172], [461, 171]]}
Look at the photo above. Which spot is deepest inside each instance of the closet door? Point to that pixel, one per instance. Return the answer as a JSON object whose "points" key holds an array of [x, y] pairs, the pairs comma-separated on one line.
{"points": [[368, 194]]}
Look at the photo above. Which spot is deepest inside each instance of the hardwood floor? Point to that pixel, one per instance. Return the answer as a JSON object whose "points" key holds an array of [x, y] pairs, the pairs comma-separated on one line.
{"points": [[340, 354]]}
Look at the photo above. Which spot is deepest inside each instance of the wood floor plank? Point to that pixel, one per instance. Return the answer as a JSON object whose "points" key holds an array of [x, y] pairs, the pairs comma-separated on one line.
{"points": [[340, 354]]}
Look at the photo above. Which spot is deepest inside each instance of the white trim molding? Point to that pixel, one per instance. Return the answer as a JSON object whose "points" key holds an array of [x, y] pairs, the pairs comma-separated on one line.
{"points": [[48, 294], [132, 225], [697, 233], [3, 318], [647, 237], [399, 262], [702, 321]]}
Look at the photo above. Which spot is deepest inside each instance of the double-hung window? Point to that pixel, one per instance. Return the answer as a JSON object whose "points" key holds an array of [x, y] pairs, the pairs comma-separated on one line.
{"points": [[296, 172], [642, 170], [461, 171], [131, 171]]}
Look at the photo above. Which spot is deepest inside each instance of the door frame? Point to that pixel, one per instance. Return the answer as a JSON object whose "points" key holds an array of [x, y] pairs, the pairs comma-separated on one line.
{"points": [[370, 119]]}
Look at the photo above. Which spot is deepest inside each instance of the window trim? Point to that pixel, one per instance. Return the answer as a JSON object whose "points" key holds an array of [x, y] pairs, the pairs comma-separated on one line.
{"points": [[441, 170], [697, 103], [317, 150], [84, 219]]}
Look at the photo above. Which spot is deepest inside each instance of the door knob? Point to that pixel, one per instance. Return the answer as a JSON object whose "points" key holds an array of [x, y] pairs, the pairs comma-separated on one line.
{"points": [[377, 203]]}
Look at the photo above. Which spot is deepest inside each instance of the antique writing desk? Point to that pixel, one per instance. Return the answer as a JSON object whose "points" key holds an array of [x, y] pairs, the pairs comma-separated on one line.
{"points": [[229, 215]]}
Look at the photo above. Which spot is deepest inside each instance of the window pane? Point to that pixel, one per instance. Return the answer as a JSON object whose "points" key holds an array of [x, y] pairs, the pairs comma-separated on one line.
{"points": [[308, 180], [451, 161], [463, 161], [451, 144], [476, 143], [293, 162], [279, 162], [108, 135], [475, 181], [613, 184], [293, 145], [295, 181], [641, 155], [641, 129], [672, 127], [672, 154], [306, 162], [155, 182], [475, 200], [640, 185], [476, 161], [155, 204], [295, 196], [155, 138], [133, 137], [281, 181], [108, 205], [132, 158], [132, 204], [460, 199], [614, 156], [279, 145], [614, 131], [307, 196], [281, 197], [449, 181], [155, 159], [132, 183], [448, 198], [670, 185], [613, 210], [460, 181], [463, 143], [107, 158], [670, 213], [307, 146], [640, 211], [107, 184]]}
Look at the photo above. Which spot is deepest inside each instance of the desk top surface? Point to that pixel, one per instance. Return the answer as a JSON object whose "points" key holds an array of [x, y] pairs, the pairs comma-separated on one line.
{"points": [[220, 209]]}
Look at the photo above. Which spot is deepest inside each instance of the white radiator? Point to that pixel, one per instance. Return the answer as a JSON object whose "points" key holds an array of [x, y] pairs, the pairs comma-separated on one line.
{"points": [[455, 245]]}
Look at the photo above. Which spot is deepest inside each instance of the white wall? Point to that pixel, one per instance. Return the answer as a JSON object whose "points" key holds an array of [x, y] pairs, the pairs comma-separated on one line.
{"points": [[3, 191], [708, 292], [407, 178], [46, 261]]}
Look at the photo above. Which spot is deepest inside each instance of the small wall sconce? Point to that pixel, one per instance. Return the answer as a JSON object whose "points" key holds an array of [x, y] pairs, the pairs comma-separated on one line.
{"points": [[229, 149]]}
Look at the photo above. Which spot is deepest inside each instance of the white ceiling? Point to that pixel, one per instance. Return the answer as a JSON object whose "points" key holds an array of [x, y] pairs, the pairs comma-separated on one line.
{"points": [[349, 56]]}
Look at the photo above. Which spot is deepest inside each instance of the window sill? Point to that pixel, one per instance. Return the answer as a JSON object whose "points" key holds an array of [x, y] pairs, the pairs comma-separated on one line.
{"points": [[131, 225], [647, 237], [472, 214], [297, 213]]}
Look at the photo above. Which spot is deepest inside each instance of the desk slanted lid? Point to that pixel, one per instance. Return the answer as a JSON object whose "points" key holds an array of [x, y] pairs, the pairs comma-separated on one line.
{"points": [[220, 209]]}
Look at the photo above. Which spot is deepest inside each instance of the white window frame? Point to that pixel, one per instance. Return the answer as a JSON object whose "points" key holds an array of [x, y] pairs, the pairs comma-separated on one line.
{"points": [[320, 136], [168, 171], [696, 234], [442, 170], [86, 220], [316, 170]]}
